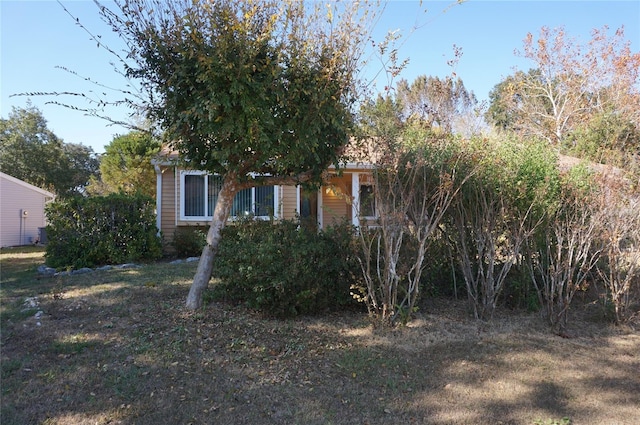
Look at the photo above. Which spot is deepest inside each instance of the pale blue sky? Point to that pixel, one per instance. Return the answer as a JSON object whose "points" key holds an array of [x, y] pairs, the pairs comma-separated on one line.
{"points": [[37, 36]]}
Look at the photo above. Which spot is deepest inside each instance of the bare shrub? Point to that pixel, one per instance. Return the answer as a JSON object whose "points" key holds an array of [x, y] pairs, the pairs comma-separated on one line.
{"points": [[619, 231], [564, 257], [496, 212], [413, 189]]}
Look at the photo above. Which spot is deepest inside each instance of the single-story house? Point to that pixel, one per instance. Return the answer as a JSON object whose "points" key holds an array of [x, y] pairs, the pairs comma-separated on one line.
{"points": [[187, 197], [21, 211]]}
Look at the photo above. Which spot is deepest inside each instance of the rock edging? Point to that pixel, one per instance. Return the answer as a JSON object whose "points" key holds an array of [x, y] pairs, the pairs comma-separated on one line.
{"points": [[51, 272]]}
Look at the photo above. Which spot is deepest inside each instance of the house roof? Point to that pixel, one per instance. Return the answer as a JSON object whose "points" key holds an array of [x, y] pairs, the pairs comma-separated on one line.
{"points": [[607, 174], [26, 185], [166, 156], [356, 155]]}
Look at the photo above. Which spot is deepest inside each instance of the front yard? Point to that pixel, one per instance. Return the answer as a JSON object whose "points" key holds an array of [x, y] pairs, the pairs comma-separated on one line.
{"points": [[117, 346]]}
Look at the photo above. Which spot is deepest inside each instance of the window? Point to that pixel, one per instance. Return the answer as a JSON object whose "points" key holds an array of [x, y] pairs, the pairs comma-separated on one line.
{"points": [[367, 201], [199, 195]]}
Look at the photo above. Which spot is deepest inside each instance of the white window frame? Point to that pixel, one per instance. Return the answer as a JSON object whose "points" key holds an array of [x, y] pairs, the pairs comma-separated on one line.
{"points": [[357, 180], [209, 214]]}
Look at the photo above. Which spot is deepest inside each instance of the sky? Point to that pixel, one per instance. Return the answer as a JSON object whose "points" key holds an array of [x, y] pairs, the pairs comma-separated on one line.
{"points": [[39, 40]]}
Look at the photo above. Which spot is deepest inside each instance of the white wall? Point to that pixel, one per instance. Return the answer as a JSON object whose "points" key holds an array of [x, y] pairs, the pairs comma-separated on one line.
{"points": [[17, 196]]}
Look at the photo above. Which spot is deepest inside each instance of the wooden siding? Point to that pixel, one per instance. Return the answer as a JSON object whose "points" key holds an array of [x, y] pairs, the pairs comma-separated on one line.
{"points": [[288, 202], [336, 200], [335, 203], [168, 211]]}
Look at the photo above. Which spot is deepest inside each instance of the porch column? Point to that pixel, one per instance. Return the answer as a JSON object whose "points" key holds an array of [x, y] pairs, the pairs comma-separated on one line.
{"points": [[355, 199], [158, 197], [277, 212]]}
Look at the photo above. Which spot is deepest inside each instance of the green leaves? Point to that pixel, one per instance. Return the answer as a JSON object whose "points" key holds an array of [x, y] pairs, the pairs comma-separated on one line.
{"points": [[126, 165], [284, 269], [86, 232], [31, 152], [246, 86]]}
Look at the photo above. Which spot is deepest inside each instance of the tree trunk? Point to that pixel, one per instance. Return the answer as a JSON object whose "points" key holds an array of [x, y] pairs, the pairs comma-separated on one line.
{"points": [[205, 266]]}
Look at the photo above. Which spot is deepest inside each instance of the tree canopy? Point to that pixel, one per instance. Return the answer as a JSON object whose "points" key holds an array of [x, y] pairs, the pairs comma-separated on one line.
{"points": [[435, 101], [248, 88], [258, 92], [570, 85], [126, 167], [31, 152]]}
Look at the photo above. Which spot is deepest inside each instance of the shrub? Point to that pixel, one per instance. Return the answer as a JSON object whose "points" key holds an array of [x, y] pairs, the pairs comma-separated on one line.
{"points": [[189, 241], [283, 269], [414, 187], [113, 229], [497, 212]]}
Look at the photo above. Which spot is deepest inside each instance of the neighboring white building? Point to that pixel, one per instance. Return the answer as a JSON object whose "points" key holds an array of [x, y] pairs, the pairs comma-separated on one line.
{"points": [[21, 211]]}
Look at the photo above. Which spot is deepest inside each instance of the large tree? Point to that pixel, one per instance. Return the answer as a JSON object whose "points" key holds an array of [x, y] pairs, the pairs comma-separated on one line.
{"points": [[570, 84], [258, 92], [438, 102], [31, 152], [126, 165]]}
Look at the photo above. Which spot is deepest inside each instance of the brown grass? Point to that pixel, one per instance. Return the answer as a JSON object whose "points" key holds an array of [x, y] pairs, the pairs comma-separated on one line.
{"points": [[117, 347]]}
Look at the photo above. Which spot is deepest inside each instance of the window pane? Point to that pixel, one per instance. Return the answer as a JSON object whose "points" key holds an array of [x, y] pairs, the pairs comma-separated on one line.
{"points": [[264, 201], [367, 201], [194, 195], [242, 203], [215, 184]]}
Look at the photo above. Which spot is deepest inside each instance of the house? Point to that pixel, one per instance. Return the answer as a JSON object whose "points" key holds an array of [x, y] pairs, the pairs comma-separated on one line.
{"points": [[21, 211], [186, 198]]}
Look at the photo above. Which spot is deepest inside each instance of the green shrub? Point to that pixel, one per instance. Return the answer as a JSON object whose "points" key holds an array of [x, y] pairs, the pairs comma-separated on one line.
{"points": [[113, 229], [189, 241], [440, 277], [501, 207], [283, 269]]}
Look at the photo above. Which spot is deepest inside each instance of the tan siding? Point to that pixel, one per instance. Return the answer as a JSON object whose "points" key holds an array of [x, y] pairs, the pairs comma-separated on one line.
{"points": [[336, 205], [289, 202], [168, 213]]}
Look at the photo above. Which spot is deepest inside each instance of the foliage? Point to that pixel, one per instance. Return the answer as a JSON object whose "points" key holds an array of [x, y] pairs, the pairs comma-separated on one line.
{"points": [[435, 102], [499, 113], [259, 93], [440, 277], [381, 118], [607, 139], [31, 152], [619, 239], [188, 241], [86, 232], [498, 209], [444, 106], [564, 252], [571, 84], [283, 269], [236, 84], [413, 187], [126, 166]]}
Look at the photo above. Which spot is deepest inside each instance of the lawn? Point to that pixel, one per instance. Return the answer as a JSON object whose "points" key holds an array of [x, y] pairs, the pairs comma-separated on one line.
{"points": [[117, 347]]}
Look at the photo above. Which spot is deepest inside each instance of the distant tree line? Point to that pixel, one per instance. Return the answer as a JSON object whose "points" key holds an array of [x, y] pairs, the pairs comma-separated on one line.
{"points": [[31, 152]]}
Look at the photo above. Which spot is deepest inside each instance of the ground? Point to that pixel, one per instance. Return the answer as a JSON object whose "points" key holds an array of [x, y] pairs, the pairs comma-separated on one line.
{"points": [[118, 347]]}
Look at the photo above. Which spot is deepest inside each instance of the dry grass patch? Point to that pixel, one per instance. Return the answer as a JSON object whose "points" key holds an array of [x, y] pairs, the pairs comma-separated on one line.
{"points": [[118, 347]]}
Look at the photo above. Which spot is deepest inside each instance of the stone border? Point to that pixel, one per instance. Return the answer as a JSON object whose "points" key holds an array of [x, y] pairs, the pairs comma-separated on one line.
{"points": [[51, 272]]}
